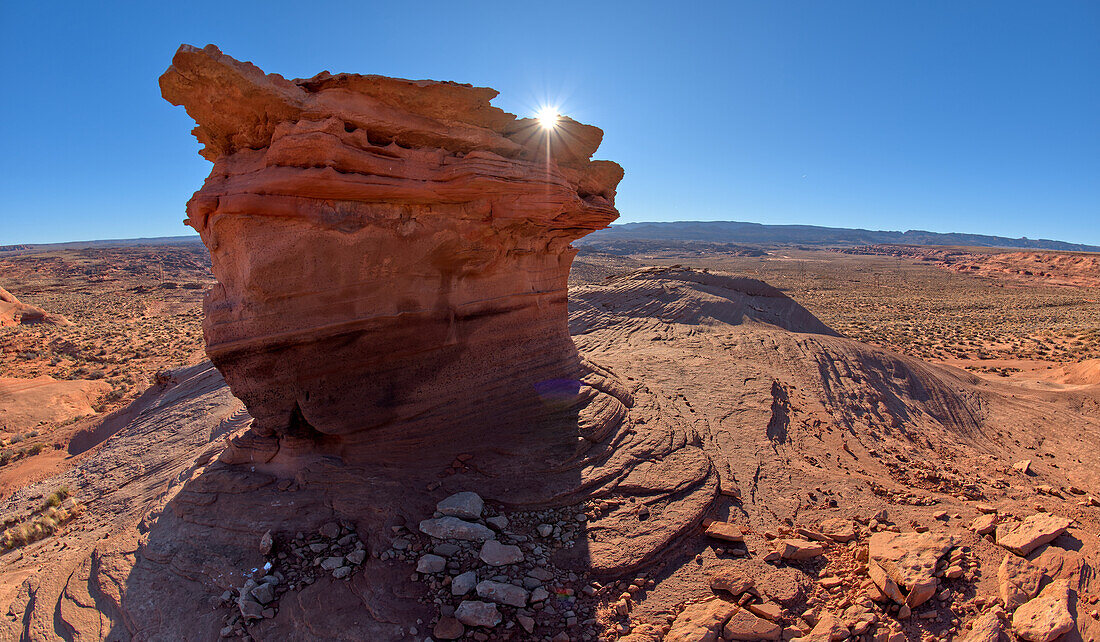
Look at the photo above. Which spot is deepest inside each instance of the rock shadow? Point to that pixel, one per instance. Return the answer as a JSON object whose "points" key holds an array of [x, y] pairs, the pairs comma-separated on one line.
{"points": [[206, 540]]}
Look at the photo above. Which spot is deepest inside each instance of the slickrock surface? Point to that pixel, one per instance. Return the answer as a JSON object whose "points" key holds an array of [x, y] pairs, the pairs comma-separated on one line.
{"points": [[14, 312], [25, 403]]}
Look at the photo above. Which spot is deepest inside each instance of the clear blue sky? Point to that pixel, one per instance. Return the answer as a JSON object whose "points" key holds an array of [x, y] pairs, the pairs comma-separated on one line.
{"points": [[976, 117]]}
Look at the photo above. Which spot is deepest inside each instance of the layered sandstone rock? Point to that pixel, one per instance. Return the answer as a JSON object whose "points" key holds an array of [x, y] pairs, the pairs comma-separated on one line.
{"points": [[15, 312], [392, 258]]}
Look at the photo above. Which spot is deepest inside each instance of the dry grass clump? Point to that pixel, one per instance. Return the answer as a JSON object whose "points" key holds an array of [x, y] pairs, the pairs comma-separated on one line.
{"points": [[58, 509]]}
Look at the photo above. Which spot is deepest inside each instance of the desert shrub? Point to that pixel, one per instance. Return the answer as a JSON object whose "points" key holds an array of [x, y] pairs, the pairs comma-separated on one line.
{"points": [[16, 438], [55, 498], [34, 449], [33, 433], [5, 457]]}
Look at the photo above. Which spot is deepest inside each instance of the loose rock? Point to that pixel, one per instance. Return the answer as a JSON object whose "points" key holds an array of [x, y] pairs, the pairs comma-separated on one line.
{"points": [[448, 628], [797, 549], [1033, 532], [1046, 617], [701, 622], [502, 593], [743, 625], [475, 613], [494, 553], [450, 527], [464, 505], [1019, 581]]}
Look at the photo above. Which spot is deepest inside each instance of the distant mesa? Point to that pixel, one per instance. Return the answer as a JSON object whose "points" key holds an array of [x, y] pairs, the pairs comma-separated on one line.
{"points": [[757, 233], [13, 312]]}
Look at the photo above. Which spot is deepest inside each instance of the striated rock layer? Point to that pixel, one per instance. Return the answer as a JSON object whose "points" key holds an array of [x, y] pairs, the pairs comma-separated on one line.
{"points": [[392, 259]]}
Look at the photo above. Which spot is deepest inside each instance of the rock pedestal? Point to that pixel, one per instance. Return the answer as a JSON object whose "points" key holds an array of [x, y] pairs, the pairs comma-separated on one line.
{"points": [[392, 259]]}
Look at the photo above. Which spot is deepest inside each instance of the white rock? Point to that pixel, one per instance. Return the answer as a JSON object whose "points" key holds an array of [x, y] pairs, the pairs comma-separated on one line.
{"points": [[475, 613], [502, 593], [494, 553], [431, 564], [467, 505], [449, 527], [464, 583]]}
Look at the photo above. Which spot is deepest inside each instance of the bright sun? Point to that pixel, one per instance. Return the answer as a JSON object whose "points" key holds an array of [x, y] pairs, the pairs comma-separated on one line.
{"points": [[548, 117]]}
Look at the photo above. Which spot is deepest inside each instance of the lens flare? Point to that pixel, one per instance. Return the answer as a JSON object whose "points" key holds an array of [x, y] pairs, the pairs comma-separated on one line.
{"points": [[548, 117]]}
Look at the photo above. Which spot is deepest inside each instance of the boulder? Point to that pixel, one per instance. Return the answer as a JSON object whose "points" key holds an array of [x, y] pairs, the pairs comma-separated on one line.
{"points": [[909, 561], [464, 505], [266, 543], [1018, 581], [827, 629], [797, 549], [701, 622], [502, 593], [985, 523], [494, 553], [744, 625], [476, 613], [724, 531], [838, 529], [448, 628], [431, 563], [766, 610], [463, 583], [455, 528], [731, 581], [1045, 617], [1039, 529], [987, 628]]}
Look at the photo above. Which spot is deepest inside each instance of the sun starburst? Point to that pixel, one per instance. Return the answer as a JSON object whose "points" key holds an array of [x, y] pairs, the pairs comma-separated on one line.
{"points": [[548, 117]]}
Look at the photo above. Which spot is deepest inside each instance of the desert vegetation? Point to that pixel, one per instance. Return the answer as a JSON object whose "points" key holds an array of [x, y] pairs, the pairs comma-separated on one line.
{"points": [[984, 322], [57, 509]]}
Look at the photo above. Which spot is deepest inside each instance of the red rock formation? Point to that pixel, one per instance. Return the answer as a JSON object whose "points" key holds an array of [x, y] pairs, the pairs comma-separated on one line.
{"points": [[391, 255], [14, 312]]}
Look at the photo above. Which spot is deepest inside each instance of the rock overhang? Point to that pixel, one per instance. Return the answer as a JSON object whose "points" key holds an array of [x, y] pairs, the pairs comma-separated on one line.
{"points": [[388, 243]]}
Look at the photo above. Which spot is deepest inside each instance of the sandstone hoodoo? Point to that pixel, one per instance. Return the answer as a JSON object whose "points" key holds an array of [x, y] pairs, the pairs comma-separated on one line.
{"points": [[392, 257]]}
